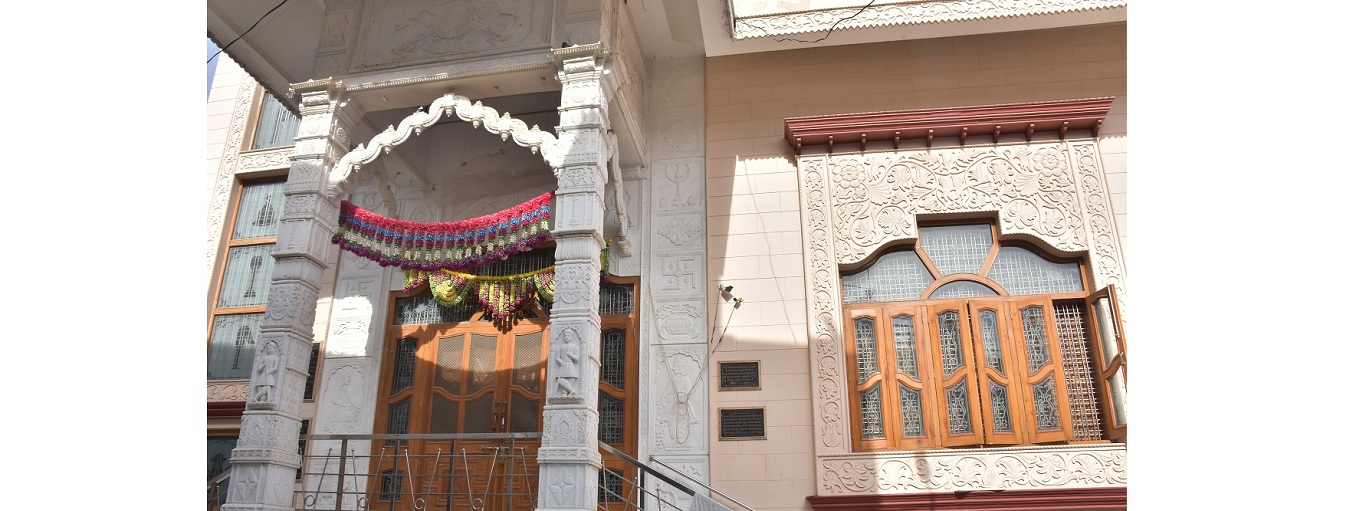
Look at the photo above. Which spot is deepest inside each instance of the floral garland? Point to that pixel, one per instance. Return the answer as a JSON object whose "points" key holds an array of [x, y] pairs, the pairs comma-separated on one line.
{"points": [[444, 245], [499, 295]]}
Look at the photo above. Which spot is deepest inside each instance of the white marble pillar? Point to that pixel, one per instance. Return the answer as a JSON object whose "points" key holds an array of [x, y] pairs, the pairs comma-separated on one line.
{"points": [[266, 457], [568, 457]]}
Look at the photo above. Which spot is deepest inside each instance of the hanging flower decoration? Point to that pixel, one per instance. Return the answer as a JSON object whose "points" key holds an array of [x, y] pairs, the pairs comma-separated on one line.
{"points": [[501, 296], [432, 246]]}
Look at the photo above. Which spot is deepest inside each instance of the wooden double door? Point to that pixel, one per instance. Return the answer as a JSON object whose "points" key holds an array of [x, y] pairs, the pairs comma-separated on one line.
{"points": [[474, 378]]}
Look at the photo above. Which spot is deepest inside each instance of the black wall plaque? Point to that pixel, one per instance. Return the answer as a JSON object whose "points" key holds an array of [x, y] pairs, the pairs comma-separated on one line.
{"points": [[740, 375], [742, 423]]}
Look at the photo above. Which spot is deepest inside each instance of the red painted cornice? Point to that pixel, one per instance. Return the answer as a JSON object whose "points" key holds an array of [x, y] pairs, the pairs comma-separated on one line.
{"points": [[226, 409], [1065, 499], [950, 123]]}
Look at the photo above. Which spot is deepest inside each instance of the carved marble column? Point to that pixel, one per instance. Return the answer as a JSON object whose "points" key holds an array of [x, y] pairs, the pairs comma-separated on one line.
{"points": [[266, 457], [569, 458]]}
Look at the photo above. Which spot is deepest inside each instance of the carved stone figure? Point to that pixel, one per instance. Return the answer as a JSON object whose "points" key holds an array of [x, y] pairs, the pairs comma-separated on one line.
{"points": [[567, 383], [267, 373]]}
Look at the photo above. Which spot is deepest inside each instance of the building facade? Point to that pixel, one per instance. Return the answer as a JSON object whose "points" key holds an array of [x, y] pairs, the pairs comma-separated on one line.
{"points": [[814, 255]]}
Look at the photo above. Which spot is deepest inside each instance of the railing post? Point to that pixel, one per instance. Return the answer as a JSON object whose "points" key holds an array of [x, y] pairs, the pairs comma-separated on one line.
{"points": [[341, 473]]}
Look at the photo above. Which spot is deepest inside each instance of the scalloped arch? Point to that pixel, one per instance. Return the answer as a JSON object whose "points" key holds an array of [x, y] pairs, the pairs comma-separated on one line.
{"points": [[504, 125]]}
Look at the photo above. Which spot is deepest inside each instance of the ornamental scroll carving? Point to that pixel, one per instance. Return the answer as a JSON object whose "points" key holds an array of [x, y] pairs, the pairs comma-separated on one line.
{"points": [[907, 13], [978, 470], [876, 196]]}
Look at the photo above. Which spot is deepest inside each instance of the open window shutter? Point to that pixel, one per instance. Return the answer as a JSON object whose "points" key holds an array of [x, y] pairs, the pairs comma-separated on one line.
{"points": [[1002, 394], [1040, 362], [866, 395], [1109, 354], [956, 391], [911, 399]]}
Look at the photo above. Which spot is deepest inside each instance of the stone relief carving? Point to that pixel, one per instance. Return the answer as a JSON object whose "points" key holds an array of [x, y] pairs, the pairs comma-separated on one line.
{"points": [[679, 321], [398, 32], [342, 398], [227, 390], [680, 273], [680, 231], [680, 135], [266, 374], [337, 31], [567, 363], [269, 160], [567, 427], [1107, 265], [908, 13], [875, 197], [822, 322], [678, 421], [227, 168], [978, 470], [562, 486], [679, 189]]}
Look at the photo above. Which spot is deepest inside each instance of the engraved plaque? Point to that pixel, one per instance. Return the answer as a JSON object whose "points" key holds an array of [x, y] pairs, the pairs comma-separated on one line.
{"points": [[740, 375], [742, 423]]}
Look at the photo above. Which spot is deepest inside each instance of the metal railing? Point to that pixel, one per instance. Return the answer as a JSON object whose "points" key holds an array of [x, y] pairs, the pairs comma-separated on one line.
{"points": [[218, 490]]}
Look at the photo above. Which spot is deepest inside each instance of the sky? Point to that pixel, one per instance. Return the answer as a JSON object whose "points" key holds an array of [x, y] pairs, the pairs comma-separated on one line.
{"points": [[213, 63]]}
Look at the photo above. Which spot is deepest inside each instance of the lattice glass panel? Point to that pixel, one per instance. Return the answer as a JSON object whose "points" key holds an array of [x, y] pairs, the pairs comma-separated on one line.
{"points": [[903, 331], [276, 126], [950, 344], [1000, 407], [1022, 272], [405, 365], [445, 416], [1106, 319], [422, 309], [246, 276], [1076, 370], [526, 361], [450, 363], [258, 212], [616, 299], [220, 451], [1119, 397], [610, 485], [912, 424], [524, 415], [232, 346], [870, 402], [312, 371], [962, 289], [479, 415], [1036, 339], [398, 417], [895, 277], [611, 419], [483, 357], [865, 344], [960, 413], [957, 248], [1046, 414], [614, 358], [390, 485], [991, 340]]}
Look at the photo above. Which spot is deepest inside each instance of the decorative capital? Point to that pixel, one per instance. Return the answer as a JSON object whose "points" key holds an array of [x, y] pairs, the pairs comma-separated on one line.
{"points": [[577, 59]]}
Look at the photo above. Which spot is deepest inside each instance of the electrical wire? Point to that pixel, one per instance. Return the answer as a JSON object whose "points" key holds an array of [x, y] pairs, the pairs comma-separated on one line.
{"points": [[244, 34], [827, 32]]}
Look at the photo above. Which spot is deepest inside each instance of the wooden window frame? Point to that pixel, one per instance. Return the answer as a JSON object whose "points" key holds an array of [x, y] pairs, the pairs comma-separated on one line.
{"points": [[258, 101], [225, 246]]}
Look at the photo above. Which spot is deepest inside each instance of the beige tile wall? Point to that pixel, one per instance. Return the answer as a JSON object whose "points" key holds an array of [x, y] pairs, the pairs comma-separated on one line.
{"points": [[754, 230]]}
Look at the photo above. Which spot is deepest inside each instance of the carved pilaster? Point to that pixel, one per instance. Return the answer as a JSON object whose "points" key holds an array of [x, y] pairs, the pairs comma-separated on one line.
{"points": [[569, 459], [265, 460]]}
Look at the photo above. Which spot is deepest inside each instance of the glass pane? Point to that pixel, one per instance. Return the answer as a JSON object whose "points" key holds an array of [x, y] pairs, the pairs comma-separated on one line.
{"points": [[611, 419], [220, 451], [405, 363], [398, 417], [422, 309], [610, 486], [479, 415], [1000, 407], [246, 276], [911, 423], [949, 343], [312, 372], [525, 415], [445, 416], [866, 346], [1046, 405], [390, 485], [450, 363], [1119, 397], [958, 248], [1036, 340], [258, 213], [1106, 319], [960, 416], [232, 346], [871, 402], [1022, 272], [614, 358], [483, 350], [526, 361], [962, 289], [991, 341], [1076, 370], [903, 330], [277, 126], [616, 299], [895, 277]]}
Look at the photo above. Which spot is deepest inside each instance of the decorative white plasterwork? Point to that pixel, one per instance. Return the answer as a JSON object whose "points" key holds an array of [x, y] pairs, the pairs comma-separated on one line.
{"points": [[855, 203], [227, 168], [227, 390], [476, 113], [266, 160], [975, 469], [907, 13]]}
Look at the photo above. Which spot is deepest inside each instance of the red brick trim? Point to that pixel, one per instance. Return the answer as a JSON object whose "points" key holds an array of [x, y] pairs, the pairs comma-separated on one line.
{"points": [[1063, 499], [226, 409], [951, 123]]}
